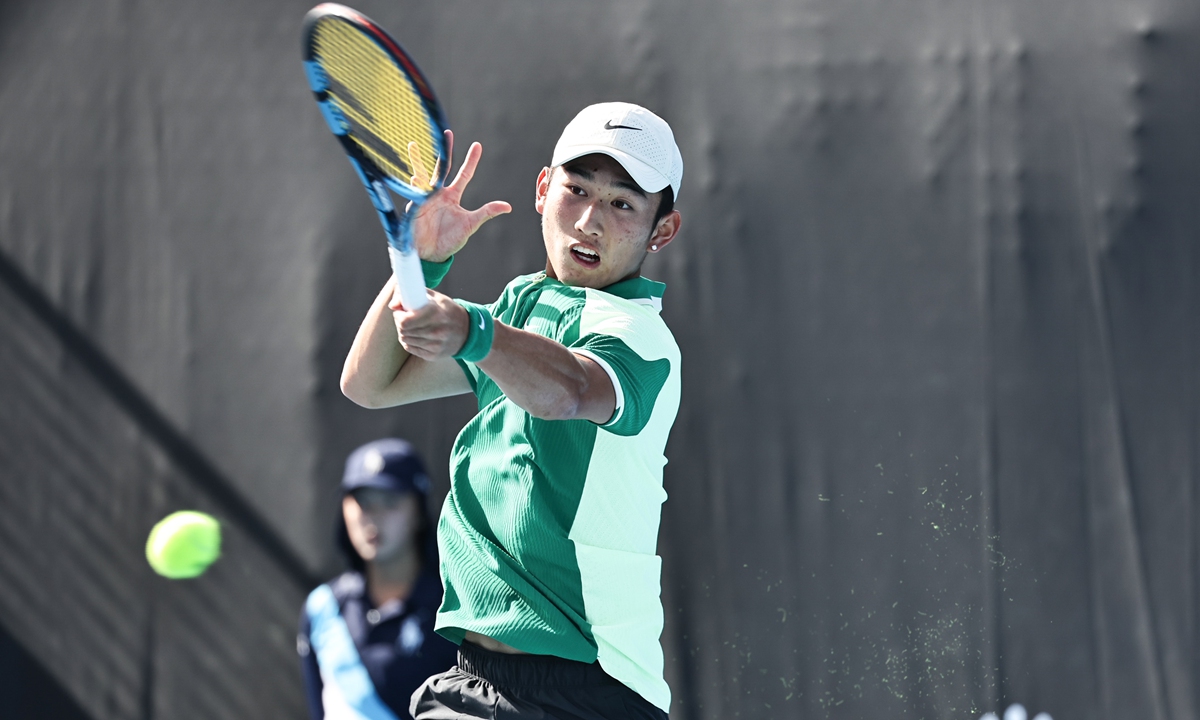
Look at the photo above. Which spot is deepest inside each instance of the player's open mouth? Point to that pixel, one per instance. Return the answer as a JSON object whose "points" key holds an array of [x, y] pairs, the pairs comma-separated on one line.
{"points": [[585, 256]]}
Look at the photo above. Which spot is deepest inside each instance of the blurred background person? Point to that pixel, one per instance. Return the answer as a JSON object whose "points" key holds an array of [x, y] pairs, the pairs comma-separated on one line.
{"points": [[366, 638]]}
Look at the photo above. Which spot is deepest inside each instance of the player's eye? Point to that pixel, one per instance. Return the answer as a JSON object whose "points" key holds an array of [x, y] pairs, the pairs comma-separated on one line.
{"points": [[622, 205], [576, 190]]}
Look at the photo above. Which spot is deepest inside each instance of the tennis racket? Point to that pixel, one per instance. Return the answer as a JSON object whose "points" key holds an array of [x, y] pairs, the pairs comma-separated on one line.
{"points": [[391, 126]]}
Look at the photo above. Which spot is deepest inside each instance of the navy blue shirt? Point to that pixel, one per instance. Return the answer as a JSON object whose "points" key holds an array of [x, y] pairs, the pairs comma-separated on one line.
{"points": [[396, 641]]}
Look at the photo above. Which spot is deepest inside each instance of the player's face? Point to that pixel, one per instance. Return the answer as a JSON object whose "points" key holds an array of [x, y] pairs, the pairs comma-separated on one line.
{"points": [[597, 223], [381, 523]]}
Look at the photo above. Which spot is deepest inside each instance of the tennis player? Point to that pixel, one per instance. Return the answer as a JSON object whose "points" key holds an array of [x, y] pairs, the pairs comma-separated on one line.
{"points": [[548, 535]]}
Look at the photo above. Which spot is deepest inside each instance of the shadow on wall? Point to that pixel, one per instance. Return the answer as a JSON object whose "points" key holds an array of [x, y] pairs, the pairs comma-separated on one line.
{"points": [[27, 691]]}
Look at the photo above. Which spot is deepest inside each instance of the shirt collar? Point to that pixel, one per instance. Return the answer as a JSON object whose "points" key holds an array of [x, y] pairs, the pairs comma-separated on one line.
{"points": [[640, 290]]}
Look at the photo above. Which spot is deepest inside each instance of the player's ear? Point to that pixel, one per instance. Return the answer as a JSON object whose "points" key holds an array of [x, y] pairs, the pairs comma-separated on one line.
{"points": [[664, 231], [542, 189]]}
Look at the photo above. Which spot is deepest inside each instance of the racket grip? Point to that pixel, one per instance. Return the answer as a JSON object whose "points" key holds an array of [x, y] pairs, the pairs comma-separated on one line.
{"points": [[410, 280]]}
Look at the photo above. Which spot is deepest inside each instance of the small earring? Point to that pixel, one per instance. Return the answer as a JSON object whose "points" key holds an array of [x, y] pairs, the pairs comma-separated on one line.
{"points": [[653, 247]]}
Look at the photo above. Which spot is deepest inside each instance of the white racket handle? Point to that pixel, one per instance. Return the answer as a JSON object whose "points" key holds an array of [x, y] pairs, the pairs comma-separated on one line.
{"points": [[410, 280]]}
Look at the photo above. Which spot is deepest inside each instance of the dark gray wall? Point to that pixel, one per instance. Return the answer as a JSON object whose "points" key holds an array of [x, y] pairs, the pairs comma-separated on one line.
{"points": [[935, 292], [29, 692], [86, 468]]}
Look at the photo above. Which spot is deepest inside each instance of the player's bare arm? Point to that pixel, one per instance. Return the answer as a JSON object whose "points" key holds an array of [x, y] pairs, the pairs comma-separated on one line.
{"points": [[379, 372], [539, 375], [546, 379]]}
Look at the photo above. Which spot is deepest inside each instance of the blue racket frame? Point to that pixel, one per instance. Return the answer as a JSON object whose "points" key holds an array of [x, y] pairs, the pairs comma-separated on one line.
{"points": [[397, 225]]}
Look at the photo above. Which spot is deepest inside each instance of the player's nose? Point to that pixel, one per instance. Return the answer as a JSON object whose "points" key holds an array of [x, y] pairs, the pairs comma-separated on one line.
{"points": [[589, 222]]}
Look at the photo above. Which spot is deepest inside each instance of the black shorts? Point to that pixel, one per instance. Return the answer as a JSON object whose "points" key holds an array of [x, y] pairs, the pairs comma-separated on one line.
{"points": [[498, 686]]}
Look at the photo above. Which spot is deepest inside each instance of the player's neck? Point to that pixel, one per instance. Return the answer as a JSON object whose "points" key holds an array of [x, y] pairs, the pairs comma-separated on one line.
{"points": [[636, 272], [394, 578]]}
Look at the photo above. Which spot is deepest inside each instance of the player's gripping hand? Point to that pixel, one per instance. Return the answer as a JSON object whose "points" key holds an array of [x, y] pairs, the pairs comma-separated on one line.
{"points": [[442, 225], [435, 331]]}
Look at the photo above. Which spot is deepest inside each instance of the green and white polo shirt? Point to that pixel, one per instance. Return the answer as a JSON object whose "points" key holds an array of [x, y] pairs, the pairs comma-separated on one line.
{"points": [[549, 532]]}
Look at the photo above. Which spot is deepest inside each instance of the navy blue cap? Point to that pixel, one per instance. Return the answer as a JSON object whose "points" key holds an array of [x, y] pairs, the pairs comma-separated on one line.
{"points": [[387, 464]]}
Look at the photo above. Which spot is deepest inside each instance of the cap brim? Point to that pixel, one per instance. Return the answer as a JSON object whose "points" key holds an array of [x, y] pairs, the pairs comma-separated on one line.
{"points": [[646, 177], [382, 481]]}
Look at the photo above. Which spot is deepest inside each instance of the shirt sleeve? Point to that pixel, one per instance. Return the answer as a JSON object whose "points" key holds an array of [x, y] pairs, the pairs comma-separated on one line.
{"points": [[637, 380]]}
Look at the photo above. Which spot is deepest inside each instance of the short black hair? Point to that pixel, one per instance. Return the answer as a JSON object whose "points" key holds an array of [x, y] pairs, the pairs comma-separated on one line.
{"points": [[665, 204]]}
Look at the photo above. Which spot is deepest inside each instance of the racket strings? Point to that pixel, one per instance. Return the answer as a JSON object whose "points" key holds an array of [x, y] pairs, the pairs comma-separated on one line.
{"points": [[387, 117]]}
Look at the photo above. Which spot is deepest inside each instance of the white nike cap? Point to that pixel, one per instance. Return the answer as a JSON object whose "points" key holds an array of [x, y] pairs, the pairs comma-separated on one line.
{"points": [[630, 134]]}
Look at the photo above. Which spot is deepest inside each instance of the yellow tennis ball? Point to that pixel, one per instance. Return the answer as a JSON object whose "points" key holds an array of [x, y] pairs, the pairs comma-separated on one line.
{"points": [[184, 544]]}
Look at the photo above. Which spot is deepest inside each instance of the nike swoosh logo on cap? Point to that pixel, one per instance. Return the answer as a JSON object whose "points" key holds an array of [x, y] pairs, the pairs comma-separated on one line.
{"points": [[609, 126]]}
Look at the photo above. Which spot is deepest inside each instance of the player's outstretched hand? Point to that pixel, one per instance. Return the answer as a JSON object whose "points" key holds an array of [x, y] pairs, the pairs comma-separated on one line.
{"points": [[437, 330], [442, 225]]}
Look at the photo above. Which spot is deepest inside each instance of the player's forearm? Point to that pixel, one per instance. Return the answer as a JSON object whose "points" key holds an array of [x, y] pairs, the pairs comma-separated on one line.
{"points": [[545, 378], [376, 357], [541, 376]]}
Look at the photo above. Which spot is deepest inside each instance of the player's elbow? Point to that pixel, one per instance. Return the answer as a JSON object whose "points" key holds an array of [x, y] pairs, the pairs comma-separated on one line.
{"points": [[358, 394], [355, 395], [562, 405], [366, 401], [557, 411], [562, 409]]}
